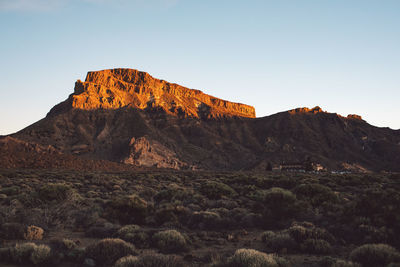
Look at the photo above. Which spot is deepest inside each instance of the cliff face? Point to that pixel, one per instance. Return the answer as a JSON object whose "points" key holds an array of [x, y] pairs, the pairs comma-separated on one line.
{"points": [[118, 88]]}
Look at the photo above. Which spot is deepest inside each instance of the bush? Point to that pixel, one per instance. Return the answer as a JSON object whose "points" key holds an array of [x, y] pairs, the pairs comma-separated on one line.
{"points": [[205, 220], [374, 255], [127, 261], [253, 258], [150, 260], [316, 194], [279, 204], [316, 246], [30, 253], [33, 233], [21, 253], [170, 241], [40, 254], [128, 209], [278, 241], [132, 233], [54, 192], [125, 231], [305, 231], [216, 190], [174, 193], [107, 251]]}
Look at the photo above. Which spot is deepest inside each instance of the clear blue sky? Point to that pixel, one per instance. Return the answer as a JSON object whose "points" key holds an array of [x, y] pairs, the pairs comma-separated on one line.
{"points": [[343, 55]]}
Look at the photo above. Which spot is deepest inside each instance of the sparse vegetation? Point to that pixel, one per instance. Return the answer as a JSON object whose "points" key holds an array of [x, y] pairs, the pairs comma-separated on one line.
{"points": [[170, 241], [314, 219], [254, 258], [150, 260], [108, 251], [375, 255], [128, 209]]}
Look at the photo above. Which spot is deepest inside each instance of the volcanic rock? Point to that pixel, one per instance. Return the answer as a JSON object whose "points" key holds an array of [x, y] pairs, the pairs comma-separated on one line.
{"points": [[152, 154], [118, 88]]}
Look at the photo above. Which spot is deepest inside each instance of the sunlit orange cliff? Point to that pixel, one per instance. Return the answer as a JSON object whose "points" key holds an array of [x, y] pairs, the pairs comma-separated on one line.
{"points": [[118, 88]]}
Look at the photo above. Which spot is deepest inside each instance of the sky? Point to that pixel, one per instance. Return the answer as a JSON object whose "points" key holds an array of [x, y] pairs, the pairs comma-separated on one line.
{"points": [[276, 55]]}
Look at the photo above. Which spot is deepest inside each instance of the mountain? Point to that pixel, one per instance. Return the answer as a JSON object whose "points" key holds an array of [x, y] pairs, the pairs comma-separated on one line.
{"points": [[127, 116], [119, 88]]}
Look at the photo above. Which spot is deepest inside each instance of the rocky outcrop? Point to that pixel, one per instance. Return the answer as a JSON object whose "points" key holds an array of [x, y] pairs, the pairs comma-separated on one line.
{"points": [[147, 153], [314, 110], [118, 88], [354, 117]]}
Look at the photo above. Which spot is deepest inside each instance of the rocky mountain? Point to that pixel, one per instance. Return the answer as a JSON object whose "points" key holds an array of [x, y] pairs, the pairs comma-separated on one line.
{"points": [[119, 88], [127, 116]]}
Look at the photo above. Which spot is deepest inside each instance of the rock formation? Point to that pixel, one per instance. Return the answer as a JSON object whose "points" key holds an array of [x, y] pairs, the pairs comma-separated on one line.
{"points": [[314, 110], [147, 153], [118, 88]]}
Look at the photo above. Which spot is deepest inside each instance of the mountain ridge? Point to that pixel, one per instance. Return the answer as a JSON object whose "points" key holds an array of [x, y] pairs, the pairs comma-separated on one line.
{"points": [[118, 88]]}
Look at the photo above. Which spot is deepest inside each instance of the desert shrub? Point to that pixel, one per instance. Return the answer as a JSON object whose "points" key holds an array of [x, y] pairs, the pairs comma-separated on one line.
{"points": [[171, 213], [279, 204], [170, 241], [374, 255], [304, 231], [150, 260], [11, 231], [30, 253], [205, 220], [172, 194], [127, 230], [370, 234], [40, 254], [107, 251], [278, 241], [253, 258], [54, 192], [216, 190], [128, 209], [21, 253], [33, 233], [127, 261], [133, 234], [316, 194], [381, 206], [316, 246]]}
